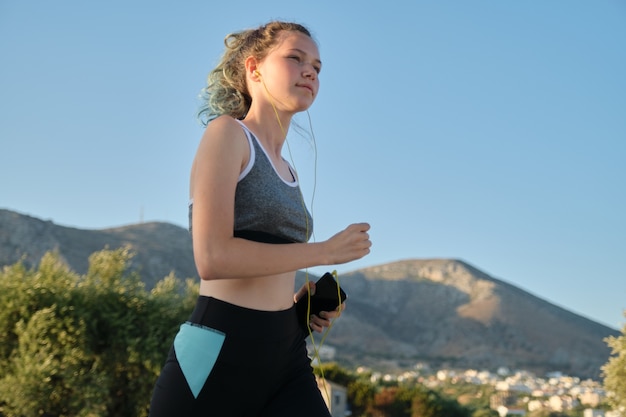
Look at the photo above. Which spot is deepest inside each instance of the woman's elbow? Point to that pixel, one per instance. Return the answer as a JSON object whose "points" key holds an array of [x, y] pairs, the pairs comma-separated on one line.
{"points": [[210, 267], [206, 270]]}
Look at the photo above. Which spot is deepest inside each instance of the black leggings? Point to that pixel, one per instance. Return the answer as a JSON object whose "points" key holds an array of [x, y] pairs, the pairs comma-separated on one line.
{"points": [[238, 362]]}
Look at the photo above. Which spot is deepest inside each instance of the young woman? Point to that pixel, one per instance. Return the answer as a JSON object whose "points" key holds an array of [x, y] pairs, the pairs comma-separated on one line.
{"points": [[243, 351]]}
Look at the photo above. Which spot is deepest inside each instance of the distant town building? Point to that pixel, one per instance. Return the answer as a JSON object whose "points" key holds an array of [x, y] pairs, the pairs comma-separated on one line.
{"points": [[326, 353], [535, 405], [590, 398], [562, 402], [504, 399], [335, 396], [506, 412]]}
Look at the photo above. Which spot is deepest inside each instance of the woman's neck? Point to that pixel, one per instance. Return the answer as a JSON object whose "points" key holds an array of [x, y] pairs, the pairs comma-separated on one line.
{"points": [[270, 131]]}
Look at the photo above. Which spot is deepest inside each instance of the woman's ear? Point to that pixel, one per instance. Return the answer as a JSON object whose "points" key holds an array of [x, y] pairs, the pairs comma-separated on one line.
{"points": [[252, 68]]}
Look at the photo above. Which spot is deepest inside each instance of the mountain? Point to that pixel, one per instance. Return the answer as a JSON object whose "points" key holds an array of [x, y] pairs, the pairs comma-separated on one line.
{"points": [[444, 312], [160, 248]]}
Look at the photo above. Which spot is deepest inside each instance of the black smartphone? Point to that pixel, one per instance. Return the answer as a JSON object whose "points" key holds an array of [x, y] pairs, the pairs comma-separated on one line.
{"points": [[326, 295]]}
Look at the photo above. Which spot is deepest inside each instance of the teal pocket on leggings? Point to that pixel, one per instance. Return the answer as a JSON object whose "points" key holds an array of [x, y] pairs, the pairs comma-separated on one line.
{"points": [[197, 348]]}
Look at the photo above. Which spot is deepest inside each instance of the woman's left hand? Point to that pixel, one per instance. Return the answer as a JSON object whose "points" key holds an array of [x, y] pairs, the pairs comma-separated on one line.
{"points": [[318, 323]]}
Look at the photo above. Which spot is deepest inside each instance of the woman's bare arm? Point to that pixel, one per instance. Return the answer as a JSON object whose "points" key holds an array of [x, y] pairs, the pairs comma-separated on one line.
{"points": [[222, 153]]}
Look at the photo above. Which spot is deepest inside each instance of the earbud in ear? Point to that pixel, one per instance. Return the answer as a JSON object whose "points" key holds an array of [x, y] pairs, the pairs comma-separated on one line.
{"points": [[257, 73]]}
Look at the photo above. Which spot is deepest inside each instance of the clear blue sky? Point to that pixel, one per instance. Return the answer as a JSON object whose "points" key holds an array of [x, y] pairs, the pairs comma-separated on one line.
{"points": [[489, 131]]}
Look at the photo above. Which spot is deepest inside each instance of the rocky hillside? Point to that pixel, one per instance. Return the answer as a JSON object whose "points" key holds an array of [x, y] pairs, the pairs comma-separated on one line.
{"points": [[160, 248], [443, 312]]}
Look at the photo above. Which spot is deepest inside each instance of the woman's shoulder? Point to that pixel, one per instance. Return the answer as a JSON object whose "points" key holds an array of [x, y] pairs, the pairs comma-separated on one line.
{"points": [[224, 124], [224, 135], [224, 129]]}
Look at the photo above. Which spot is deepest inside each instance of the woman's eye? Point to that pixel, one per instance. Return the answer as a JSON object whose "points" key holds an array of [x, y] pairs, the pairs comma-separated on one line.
{"points": [[294, 57]]}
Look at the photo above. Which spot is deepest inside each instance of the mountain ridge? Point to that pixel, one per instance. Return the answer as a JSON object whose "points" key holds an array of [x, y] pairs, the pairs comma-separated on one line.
{"points": [[474, 319], [440, 311]]}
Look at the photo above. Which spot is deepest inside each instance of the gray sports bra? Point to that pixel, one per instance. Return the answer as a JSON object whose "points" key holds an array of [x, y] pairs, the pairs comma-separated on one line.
{"points": [[268, 208]]}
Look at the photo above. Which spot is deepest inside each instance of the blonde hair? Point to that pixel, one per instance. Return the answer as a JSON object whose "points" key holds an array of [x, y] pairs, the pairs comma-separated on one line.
{"points": [[227, 91]]}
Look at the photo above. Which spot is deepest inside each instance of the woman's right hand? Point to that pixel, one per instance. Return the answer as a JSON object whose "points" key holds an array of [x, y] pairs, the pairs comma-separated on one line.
{"points": [[350, 244]]}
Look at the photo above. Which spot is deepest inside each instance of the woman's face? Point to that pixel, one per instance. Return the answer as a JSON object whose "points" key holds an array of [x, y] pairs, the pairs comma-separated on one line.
{"points": [[290, 71]]}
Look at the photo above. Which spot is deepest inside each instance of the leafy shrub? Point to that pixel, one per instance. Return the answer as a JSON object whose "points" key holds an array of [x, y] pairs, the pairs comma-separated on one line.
{"points": [[87, 345]]}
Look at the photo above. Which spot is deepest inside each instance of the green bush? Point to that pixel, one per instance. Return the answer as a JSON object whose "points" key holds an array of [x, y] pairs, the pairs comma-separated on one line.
{"points": [[88, 345], [614, 371]]}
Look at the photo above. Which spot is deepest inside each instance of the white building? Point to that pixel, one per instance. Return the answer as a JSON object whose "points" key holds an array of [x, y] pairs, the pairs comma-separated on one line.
{"points": [[590, 412], [506, 412], [335, 396]]}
